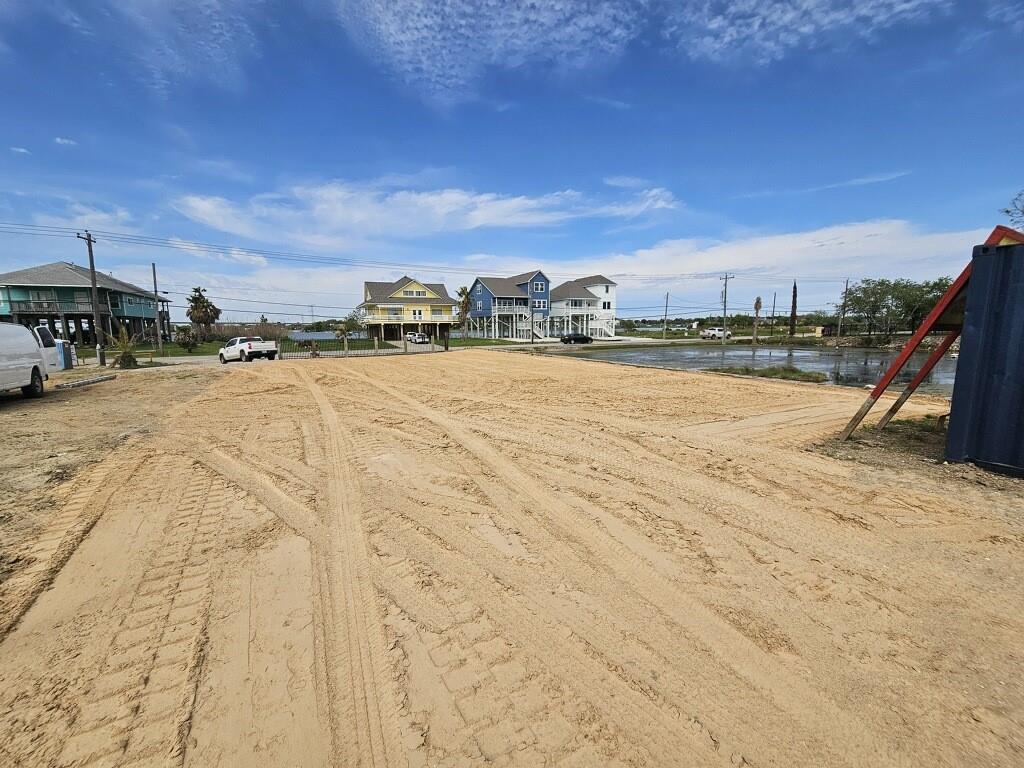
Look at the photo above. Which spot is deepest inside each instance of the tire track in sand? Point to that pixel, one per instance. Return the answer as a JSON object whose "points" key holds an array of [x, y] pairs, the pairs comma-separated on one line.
{"points": [[351, 612], [806, 704]]}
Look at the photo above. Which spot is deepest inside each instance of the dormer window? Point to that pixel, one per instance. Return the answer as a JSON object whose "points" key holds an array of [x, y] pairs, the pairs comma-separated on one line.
{"points": [[414, 293], [538, 287]]}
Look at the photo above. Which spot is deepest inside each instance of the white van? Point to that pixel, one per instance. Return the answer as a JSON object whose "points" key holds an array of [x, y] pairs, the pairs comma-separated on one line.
{"points": [[21, 360]]}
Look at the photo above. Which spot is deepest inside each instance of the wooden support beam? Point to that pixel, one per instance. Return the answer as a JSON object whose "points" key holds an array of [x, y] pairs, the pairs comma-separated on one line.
{"points": [[933, 358]]}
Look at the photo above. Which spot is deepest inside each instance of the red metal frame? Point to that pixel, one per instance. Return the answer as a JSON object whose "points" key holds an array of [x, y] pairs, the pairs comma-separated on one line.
{"points": [[959, 285]]}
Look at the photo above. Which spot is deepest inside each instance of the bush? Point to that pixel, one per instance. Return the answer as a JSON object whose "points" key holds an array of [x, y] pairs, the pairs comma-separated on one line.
{"points": [[186, 339], [125, 347]]}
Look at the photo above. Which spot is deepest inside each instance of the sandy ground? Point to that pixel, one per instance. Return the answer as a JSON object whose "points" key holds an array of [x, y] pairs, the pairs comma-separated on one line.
{"points": [[495, 558]]}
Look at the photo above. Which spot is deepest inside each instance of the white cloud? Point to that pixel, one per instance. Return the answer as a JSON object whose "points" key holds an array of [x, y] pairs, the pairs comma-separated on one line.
{"points": [[767, 30], [82, 216], [860, 181], [605, 101], [220, 169], [888, 247], [629, 182], [342, 214], [20, 151], [1008, 13], [65, 142], [445, 48], [163, 41]]}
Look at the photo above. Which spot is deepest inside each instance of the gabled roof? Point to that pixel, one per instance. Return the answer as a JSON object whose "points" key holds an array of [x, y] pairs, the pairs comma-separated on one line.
{"points": [[1004, 235], [596, 280], [64, 274], [509, 287], [573, 289], [504, 287], [380, 293]]}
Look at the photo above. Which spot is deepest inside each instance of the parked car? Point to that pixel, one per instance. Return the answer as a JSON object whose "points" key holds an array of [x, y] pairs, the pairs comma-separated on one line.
{"points": [[420, 338], [715, 333], [246, 348], [410, 336], [576, 338], [51, 354], [22, 365]]}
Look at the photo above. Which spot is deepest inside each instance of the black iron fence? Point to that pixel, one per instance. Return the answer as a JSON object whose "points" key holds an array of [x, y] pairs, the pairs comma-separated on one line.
{"points": [[290, 349]]}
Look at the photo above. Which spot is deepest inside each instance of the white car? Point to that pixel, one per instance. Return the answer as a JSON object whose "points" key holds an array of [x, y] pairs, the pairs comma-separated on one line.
{"points": [[247, 348], [715, 333], [22, 364], [411, 336], [420, 338]]}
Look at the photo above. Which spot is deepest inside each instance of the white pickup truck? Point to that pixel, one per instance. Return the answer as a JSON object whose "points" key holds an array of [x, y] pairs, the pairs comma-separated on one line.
{"points": [[715, 333], [246, 348]]}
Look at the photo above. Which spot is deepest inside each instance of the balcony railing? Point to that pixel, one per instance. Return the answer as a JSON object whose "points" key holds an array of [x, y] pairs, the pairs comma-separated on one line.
{"points": [[57, 307], [407, 317]]}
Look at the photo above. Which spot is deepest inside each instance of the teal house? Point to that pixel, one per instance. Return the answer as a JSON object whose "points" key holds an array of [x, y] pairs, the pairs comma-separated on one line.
{"points": [[58, 295]]}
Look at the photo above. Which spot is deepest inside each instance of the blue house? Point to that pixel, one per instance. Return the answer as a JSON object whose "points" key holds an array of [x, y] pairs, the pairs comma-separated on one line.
{"points": [[510, 307]]}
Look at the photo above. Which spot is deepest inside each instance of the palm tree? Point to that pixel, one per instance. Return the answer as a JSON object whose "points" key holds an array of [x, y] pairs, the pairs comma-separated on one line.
{"points": [[757, 315], [201, 311], [465, 302]]}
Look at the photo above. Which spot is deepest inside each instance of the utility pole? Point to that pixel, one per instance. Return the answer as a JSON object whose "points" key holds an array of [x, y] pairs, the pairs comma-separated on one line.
{"points": [[156, 327], [842, 312], [664, 320], [774, 294], [725, 305], [97, 330]]}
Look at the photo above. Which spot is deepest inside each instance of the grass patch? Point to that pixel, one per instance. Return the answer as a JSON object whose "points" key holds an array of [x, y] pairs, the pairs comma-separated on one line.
{"points": [[170, 350], [787, 372], [470, 342]]}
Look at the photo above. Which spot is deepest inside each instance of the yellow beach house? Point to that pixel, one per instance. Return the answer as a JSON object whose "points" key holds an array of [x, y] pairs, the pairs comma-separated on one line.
{"points": [[390, 310]]}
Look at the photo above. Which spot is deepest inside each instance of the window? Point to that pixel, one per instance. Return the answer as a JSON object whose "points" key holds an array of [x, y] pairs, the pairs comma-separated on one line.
{"points": [[82, 297], [538, 287], [413, 292], [417, 314], [575, 302], [115, 300], [540, 303], [437, 311], [130, 300], [606, 305], [479, 288], [606, 289], [479, 304]]}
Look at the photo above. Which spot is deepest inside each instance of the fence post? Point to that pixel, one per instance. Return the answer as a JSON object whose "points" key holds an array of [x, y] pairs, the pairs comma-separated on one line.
{"points": [[405, 345], [345, 341], [376, 346]]}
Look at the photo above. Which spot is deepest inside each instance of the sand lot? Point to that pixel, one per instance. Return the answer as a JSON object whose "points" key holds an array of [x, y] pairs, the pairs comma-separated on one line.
{"points": [[488, 558]]}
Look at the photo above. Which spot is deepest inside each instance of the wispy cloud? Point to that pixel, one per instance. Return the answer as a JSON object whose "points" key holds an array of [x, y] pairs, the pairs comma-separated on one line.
{"points": [[344, 214], [445, 49], [84, 216], [65, 142], [627, 182], [764, 31], [220, 169], [161, 41], [605, 101], [20, 151], [860, 181]]}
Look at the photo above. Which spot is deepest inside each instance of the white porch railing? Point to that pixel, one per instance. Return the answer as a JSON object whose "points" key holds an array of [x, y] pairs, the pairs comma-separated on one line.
{"points": [[407, 317]]}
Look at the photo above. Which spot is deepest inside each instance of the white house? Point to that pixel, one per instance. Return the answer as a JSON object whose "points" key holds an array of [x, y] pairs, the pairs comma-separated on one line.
{"points": [[586, 305]]}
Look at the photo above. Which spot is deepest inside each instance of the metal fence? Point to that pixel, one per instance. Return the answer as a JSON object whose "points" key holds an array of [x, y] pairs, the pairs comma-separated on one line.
{"points": [[289, 349]]}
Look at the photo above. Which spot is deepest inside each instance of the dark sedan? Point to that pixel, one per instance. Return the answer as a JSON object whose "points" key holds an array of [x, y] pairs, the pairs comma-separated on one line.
{"points": [[576, 338]]}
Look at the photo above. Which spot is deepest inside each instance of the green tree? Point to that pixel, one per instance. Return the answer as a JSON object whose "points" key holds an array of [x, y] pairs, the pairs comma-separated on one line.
{"points": [[628, 326], [465, 303], [202, 312], [867, 300], [792, 313], [352, 323]]}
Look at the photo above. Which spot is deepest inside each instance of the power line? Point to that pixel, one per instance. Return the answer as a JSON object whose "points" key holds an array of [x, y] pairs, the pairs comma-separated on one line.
{"points": [[126, 238]]}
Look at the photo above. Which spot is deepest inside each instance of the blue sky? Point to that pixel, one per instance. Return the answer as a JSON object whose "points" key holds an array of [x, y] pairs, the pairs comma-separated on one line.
{"points": [[657, 142]]}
